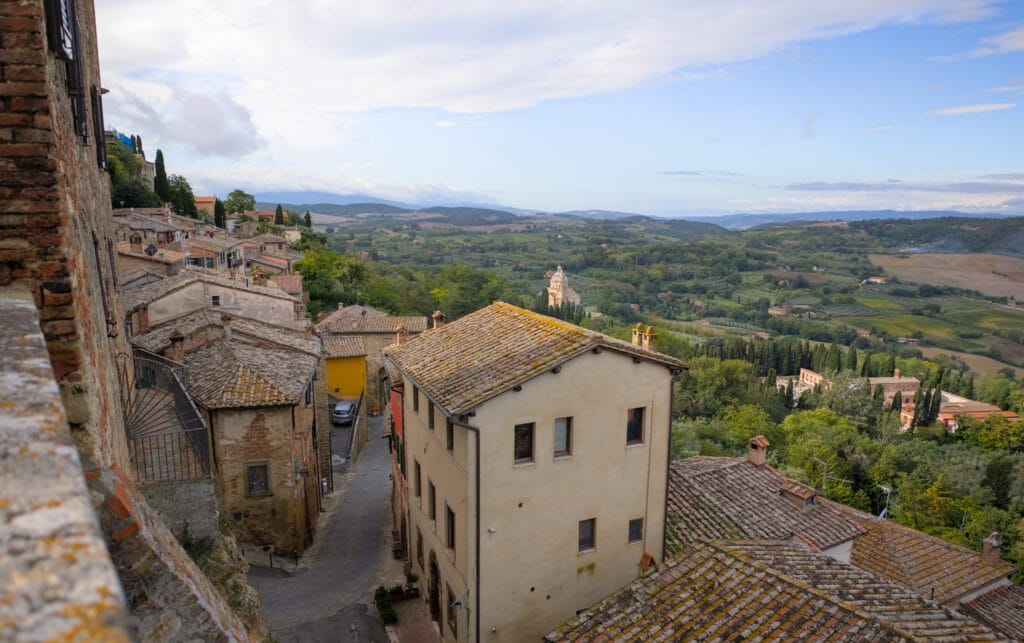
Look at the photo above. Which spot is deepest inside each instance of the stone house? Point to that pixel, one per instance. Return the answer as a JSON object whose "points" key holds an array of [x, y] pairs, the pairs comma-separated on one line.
{"points": [[535, 454], [133, 258], [151, 304], [206, 205], [271, 244], [253, 382], [215, 254]]}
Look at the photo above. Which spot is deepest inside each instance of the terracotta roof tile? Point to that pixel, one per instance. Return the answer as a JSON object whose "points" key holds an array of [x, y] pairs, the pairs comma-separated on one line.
{"points": [[470, 360], [766, 590], [291, 284], [335, 346], [1002, 609], [135, 298], [233, 374], [163, 255], [156, 339], [731, 498]]}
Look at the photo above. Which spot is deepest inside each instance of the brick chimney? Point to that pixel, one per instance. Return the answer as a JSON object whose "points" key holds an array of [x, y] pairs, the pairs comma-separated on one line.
{"points": [[992, 548], [638, 331], [438, 318], [225, 321], [757, 450], [176, 352], [401, 335], [649, 338]]}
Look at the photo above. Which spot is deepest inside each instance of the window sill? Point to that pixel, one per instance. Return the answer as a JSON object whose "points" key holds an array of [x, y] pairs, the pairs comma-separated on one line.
{"points": [[524, 463], [637, 542], [589, 550], [631, 445], [562, 456], [265, 494]]}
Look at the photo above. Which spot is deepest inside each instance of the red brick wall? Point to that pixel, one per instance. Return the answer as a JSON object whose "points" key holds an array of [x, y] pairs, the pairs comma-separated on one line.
{"points": [[54, 198]]}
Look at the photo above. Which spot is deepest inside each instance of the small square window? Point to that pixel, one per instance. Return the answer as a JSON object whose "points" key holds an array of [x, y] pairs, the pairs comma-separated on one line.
{"points": [[588, 533], [431, 497], [215, 300], [449, 430], [257, 479], [636, 530], [635, 426], [524, 443], [563, 437]]}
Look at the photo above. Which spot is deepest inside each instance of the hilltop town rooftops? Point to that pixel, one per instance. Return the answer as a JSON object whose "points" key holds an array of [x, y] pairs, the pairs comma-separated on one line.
{"points": [[1002, 609], [234, 374], [766, 590], [712, 498], [932, 567], [291, 284], [211, 244], [157, 339], [352, 325], [136, 221], [468, 361], [343, 346], [141, 296], [162, 255], [268, 238]]}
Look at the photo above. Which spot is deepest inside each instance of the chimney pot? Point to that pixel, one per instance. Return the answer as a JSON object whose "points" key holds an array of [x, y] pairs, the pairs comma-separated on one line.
{"points": [[176, 352], [757, 450], [992, 548], [637, 332], [896, 373], [438, 318], [225, 321], [401, 335]]}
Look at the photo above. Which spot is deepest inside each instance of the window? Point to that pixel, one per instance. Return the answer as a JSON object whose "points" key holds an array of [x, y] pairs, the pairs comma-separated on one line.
{"points": [[257, 479], [588, 529], [449, 429], [636, 530], [419, 547], [452, 619], [430, 416], [431, 493], [449, 528], [563, 437], [415, 399], [309, 393], [215, 300], [416, 478], [635, 426], [524, 443]]}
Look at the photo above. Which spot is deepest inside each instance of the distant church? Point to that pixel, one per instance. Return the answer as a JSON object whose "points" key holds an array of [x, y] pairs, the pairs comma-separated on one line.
{"points": [[559, 290]]}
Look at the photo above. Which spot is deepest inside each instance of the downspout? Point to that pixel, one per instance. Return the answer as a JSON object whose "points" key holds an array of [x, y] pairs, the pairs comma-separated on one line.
{"points": [[476, 475], [668, 460]]}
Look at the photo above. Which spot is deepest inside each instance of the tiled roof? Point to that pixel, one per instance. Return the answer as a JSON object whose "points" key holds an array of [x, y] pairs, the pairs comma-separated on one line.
{"points": [[765, 590], [469, 361], [138, 222], [291, 284], [928, 565], [371, 324], [135, 298], [233, 374], [1002, 609], [269, 238], [277, 262], [211, 244], [731, 498], [156, 340], [335, 346], [163, 255]]}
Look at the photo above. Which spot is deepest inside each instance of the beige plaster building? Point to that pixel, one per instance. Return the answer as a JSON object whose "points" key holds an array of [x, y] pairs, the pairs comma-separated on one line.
{"points": [[559, 290], [535, 454]]}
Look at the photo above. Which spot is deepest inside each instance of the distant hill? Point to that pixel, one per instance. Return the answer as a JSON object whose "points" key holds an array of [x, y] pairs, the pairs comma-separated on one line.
{"points": [[464, 216], [599, 214], [337, 210], [298, 199], [746, 221]]}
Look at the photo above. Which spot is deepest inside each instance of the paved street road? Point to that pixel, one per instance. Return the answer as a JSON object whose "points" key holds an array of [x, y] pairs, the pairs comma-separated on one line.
{"points": [[319, 604]]}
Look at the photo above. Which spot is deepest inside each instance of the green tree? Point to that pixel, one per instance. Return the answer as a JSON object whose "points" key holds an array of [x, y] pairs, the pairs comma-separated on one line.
{"points": [[330, 278], [133, 194], [307, 220], [161, 185], [279, 215], [239, 202], [182, 199], [219, 214]]}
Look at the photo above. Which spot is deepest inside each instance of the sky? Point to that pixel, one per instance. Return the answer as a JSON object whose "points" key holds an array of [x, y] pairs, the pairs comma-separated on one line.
{"points": [[664, 107]]}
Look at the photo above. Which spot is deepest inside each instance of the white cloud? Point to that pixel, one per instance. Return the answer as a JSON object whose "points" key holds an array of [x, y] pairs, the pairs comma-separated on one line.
{"points": [[972, 109], [1004, 43], [881, 128], [445, 124]]}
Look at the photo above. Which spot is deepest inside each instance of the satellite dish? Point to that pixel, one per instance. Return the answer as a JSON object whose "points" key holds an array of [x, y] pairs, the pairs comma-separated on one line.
{"points": [[150, 250]]}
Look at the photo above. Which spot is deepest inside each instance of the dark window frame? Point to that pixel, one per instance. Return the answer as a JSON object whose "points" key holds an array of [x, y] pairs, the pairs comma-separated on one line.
{"points": [[431, 500], [452, 618], [417, 482], [635, 425], [449, 529], [635, 533], [523, 446], [249, 492], [449, 434], [588, 535], [567, 451]]}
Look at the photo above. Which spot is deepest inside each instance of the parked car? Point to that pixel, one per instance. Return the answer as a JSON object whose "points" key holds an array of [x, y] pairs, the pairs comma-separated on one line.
{"points": [[343, 413]]}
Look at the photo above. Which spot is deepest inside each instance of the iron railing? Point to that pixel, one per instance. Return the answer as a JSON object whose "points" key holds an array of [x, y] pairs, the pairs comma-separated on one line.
{"points": [[168, 439]]}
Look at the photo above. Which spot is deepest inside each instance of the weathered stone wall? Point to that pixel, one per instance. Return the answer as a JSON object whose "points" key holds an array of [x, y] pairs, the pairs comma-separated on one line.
{"points": [[280, 519], [55, 222], [57, 581]]}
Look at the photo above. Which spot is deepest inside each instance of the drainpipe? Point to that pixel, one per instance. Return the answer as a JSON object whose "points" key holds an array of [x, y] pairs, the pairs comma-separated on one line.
{"points": [[668, 461], [476, 475]]}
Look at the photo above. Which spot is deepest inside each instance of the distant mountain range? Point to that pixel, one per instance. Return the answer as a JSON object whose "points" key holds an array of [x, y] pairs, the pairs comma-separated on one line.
{"points": [[468, 214]]}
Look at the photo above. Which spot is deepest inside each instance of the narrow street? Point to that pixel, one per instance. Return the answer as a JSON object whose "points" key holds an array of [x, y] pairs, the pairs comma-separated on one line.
{"points": [[332, 600]]}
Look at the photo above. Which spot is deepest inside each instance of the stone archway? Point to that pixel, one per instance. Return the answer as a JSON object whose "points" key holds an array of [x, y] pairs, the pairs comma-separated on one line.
{"points": [[434, 588]]}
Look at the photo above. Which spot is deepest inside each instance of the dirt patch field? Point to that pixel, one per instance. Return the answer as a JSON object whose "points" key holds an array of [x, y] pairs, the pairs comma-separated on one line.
{"points": [[977, 363], [994, 275]]}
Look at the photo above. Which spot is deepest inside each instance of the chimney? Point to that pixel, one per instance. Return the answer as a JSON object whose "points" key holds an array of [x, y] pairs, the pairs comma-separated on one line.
{"points": [[637, 332], [896, 373], [308, 331], [649, 338], [341, 305], [438, 318], [992, 548], [225, 321], [176, 352], [757, 450], [401, 335]]}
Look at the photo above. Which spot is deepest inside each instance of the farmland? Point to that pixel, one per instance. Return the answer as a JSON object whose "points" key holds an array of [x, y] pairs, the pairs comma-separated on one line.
{"points": [[994, 275]]}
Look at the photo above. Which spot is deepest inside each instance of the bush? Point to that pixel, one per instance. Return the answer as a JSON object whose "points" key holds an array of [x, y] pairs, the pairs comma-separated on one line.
{"points": [[389, 615]]}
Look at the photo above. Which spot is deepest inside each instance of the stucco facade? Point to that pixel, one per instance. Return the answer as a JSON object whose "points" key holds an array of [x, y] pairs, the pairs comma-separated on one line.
{"points": [[346, 376], [281, 311], [533, 572]]}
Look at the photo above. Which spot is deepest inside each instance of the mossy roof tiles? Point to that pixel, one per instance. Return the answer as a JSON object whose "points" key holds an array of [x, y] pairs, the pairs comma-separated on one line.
{"points": [[343, 346], [233, 374], [730, 498], [766, 590], [466, 362], [1002, 609]]}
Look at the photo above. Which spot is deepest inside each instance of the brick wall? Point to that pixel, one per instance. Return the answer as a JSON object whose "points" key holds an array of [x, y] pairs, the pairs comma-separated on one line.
{"points": [[55, 220]]}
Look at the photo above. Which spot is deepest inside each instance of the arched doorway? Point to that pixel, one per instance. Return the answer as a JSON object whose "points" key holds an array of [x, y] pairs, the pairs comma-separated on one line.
{"points": [[434, 588]]}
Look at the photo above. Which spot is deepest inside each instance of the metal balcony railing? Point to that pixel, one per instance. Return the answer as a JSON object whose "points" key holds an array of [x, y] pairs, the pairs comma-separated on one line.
{"points": [[167, 437]]}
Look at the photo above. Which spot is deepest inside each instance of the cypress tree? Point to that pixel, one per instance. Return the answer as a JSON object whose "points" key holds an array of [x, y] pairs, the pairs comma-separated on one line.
{"points": [[218, 213], [851, 360], [279, 215], [308, 220], [933, 411], [897, 402], [161, 185]]}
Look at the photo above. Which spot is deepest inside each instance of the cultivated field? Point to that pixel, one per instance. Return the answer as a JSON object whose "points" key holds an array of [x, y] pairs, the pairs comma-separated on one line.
{"points": [[994, 275], [977, 363]]}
